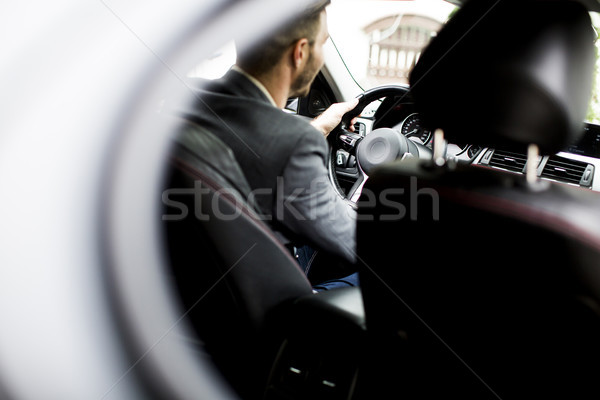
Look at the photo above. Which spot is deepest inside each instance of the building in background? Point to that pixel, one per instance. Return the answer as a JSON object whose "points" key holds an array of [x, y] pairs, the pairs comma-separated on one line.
{"points": [[381, 41], [395, 45]]}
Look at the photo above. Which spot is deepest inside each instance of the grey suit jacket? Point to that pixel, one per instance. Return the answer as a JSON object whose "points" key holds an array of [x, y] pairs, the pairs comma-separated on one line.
{"points": [[284, 160]]}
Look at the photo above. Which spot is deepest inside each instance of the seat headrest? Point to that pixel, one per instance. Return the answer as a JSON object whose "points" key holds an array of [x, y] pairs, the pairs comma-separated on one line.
{"points": [[509, 73]]}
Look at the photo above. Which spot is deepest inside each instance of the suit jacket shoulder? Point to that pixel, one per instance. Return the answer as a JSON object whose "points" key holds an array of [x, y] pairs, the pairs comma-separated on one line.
{"points": [[262, 137]]}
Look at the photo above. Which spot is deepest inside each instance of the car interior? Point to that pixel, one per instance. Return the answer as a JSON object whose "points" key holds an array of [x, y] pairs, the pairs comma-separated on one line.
{"points": [[478, 232]]}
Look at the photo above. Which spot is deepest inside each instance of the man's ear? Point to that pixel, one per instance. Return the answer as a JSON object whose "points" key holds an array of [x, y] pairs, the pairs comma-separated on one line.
{"points": [[300, 52]]}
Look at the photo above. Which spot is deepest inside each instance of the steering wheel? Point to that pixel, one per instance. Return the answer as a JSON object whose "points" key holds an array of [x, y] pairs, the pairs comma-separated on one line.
{"points": [[354, 155]]}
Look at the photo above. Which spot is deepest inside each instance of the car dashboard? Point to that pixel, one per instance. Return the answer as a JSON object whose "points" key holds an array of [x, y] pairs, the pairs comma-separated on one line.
{"points": [[577, 165]]}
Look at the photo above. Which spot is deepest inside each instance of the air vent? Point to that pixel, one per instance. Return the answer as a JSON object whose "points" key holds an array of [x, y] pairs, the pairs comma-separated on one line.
{"points": [[508, 160], [566, 170]]}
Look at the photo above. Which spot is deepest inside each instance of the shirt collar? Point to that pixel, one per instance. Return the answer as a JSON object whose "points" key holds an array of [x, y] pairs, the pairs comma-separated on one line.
{"points": [[256, 83]]}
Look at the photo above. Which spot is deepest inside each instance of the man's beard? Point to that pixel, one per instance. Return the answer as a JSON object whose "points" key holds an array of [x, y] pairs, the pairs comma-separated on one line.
{"points": [[301, 86]]}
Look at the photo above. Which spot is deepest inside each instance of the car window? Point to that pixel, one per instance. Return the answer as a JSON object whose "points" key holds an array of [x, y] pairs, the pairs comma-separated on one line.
{"points": [[381, 41]]}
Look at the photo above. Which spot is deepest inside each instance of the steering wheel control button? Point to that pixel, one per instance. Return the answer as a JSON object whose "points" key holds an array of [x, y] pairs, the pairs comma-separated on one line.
{"points": [[341, 159], [349, 140]]}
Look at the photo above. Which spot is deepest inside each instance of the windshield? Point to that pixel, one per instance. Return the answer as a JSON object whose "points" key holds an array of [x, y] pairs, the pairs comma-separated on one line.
{"points": [[381, 41]]}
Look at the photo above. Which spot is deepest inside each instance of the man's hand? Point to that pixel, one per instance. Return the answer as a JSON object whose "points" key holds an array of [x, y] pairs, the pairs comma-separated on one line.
{"points": [[332, 117]]}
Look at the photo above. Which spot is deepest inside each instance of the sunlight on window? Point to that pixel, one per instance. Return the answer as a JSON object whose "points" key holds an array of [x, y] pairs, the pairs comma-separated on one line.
{"points": [[385, 38]]}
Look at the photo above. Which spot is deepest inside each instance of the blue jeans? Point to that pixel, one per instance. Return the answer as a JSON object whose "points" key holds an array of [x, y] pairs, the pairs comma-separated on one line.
{"points": [[305, 256]]}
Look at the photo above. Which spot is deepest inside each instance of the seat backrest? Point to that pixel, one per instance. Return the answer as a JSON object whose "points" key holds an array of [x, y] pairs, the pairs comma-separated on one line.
{"points": [[233, 274], [491, 283], [494, 287]]}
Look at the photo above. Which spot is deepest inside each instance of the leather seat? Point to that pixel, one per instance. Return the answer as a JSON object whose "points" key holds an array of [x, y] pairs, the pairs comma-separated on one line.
{"points": [[485, 284], [234, 276], [250, 303]]}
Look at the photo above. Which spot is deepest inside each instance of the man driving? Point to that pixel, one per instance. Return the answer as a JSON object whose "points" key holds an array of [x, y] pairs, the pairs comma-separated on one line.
{"points": [[284, 157]]}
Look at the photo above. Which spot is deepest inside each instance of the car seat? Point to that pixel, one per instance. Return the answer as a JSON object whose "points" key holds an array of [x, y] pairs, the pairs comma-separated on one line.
{"points": [[250, 303], [233, 274], [486, 284]]}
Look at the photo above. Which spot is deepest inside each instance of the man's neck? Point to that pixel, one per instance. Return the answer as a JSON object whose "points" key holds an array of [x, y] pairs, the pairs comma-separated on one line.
{"points": [[257, 83], [275, 84]]}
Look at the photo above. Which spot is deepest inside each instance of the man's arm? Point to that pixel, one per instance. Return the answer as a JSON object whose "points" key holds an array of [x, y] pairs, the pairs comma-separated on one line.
{"points": [[308, 205]]}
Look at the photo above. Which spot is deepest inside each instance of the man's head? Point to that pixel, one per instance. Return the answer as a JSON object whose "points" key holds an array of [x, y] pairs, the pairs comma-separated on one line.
{"points": [[299, 43]]}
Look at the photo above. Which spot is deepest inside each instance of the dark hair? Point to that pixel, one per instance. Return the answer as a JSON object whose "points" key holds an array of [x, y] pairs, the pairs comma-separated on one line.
{"points": [[265, 54]]}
